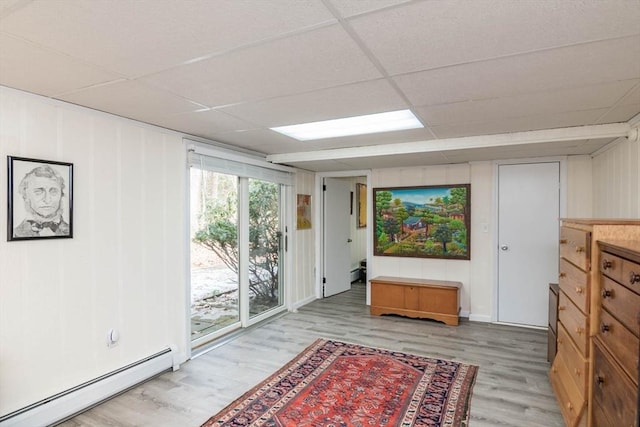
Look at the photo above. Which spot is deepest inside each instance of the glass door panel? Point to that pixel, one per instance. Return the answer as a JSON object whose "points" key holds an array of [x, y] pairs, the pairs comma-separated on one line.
{"points": [[265, 247], [214, 253]]}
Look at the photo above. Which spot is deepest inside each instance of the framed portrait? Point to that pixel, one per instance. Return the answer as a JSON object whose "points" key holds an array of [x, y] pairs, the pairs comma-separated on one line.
{"points": [[361, 197], [40, 199], [426, 222], [303, 212]]}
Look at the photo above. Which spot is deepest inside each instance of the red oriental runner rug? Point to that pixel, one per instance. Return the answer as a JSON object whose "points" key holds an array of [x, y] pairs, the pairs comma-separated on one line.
{"points": [[333, 383]]}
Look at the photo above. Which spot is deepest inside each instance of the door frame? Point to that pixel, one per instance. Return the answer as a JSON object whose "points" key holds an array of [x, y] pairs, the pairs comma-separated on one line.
{"points": [[562, 160], [318, 219]]}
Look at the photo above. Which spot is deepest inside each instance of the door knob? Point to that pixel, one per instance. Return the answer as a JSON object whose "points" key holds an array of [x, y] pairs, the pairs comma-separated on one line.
{"points": [[504, 247], [349, 240]]}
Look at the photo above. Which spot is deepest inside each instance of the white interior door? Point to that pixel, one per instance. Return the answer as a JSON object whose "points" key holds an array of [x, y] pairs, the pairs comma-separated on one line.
{"points": [[337, 254], [528, 232]]}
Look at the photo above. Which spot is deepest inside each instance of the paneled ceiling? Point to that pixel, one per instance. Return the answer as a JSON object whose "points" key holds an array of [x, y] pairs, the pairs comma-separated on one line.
{"points": [[228, 70]]}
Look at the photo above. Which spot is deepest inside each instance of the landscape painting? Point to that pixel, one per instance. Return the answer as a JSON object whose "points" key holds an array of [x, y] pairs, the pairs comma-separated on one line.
{"points": [[426, 222]]}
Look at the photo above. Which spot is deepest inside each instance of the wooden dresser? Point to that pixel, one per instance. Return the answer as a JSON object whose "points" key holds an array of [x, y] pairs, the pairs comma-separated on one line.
{"points": [[577, 322], [615, 346]]}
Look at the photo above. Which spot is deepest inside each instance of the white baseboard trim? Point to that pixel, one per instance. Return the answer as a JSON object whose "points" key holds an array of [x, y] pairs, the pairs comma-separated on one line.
{"points": [[297, 305], [463, 313], [480, 318], [64, 405]]}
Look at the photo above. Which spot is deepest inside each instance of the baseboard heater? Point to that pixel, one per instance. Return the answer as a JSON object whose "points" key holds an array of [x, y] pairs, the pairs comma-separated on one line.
{"points": [[68, 403], [355, 274]]}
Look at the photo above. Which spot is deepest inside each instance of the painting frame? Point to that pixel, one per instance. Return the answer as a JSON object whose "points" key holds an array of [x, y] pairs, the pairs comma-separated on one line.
{"points": [[361, 205], [428, 221], [303, 215], [43, 212]]}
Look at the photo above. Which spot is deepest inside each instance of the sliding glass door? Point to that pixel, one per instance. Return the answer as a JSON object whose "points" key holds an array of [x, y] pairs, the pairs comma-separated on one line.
{"points": [[215, 279], [265, 247], [237, 249]]}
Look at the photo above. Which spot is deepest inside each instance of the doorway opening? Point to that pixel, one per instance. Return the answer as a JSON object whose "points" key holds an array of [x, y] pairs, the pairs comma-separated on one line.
{"points": [[345, 243]]}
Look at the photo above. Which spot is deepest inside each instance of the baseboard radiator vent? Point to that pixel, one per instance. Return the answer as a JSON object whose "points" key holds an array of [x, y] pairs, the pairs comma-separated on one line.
{"points": [[64, 405], [355, 274]]}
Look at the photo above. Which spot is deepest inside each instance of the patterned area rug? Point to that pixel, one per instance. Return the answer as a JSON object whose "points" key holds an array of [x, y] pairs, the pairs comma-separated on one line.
{"points": [[333, 383]]}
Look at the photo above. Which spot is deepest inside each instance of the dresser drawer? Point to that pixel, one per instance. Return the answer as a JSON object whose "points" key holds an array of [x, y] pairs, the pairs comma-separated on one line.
{"points": [[574, 283], [631, 275], [575, 362], [611, 265], [613, 391], [572, 404], [620, 341], [575, 322], [575, 246], [620, 302]]}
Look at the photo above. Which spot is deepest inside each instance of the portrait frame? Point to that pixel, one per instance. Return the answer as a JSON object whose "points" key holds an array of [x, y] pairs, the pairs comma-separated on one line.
{"points": [[361, 204], [24, 222], [431, 221]]}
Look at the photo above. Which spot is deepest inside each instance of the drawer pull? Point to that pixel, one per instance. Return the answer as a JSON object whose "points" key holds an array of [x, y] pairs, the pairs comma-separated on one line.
{"points": [[604, 328], [563, 241], [606, 264], [579, 330], [577, 372], [569, 406], [634, 277], [562, 307], [562, 274], [578, 290], [606, 293], [579, 249], [599, 380]]}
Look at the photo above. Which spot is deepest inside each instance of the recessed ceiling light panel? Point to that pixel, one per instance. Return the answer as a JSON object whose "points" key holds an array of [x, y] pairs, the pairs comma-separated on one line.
{"points": [[359, 125]]}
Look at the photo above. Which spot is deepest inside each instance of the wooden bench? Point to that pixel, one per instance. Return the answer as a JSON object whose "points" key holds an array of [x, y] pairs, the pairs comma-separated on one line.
{"points": [[420, 298]]}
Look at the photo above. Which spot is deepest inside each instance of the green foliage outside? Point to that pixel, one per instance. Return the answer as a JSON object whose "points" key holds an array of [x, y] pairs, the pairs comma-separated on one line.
{"points": [[219, 233]]}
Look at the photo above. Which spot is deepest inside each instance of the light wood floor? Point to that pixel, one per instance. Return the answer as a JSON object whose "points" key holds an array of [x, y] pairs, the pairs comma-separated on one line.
{"points": [[512, 387]]}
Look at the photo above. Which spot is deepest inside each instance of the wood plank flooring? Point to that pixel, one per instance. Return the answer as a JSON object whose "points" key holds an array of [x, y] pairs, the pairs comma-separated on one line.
{"points": [[512, 387]]}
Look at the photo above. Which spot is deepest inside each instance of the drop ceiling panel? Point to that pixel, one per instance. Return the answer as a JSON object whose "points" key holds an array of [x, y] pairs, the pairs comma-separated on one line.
{"points": [[343, 101], [519, 124], [304, 62], [348, 8], [131, 99], [620, 113], [28, 67], [139, 37], [574, 66], [536, 103], [205, 124], [437, 34], [7, 6]]}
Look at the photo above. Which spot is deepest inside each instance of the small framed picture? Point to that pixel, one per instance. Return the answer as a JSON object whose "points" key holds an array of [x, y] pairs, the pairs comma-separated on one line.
{"points": [[40, 199]]}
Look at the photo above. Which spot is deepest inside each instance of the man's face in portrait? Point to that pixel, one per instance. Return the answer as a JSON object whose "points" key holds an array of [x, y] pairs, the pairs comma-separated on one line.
{"points": [[43, 196]]}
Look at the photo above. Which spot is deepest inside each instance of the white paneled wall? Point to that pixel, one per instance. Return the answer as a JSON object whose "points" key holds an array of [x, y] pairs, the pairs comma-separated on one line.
{"points": [[124, 268], [616, 181], [480, 177], [579, 187], [302, 290]]}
